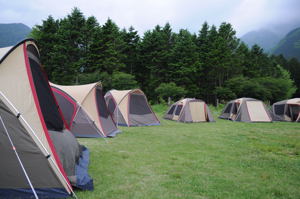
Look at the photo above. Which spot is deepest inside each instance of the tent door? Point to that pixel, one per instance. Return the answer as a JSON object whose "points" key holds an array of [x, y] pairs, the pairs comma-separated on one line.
{"points": [[294, 111], [234, 110], [298, 119], [257, 112], [198, 111]]}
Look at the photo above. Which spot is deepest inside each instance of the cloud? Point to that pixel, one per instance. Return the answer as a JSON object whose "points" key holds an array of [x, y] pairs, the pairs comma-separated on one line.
{"points": [[245, 15], [253, 15]]}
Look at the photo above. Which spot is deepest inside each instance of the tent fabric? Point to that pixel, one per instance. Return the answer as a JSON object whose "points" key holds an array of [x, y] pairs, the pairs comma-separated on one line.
{"points": [[91, 118], [246, 110], [287, 110], [77, 119], [25, 98], [32, 157], [189, 110], [130, 108], [83, 180]]}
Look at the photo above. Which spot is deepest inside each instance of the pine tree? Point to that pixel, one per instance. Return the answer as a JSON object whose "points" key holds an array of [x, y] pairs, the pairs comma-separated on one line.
{"points": [[131, 39], [185, 64], [46, 37]]}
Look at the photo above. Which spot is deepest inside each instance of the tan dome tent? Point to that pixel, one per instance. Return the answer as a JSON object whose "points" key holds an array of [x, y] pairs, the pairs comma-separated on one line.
{"points": [[287, 110], [90, 98], [39, 157], [246, 110], [189, 110], [130, 108]]}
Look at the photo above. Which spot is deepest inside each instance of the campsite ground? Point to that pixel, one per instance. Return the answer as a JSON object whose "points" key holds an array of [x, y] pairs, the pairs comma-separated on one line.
{"points": [[202, 160]]}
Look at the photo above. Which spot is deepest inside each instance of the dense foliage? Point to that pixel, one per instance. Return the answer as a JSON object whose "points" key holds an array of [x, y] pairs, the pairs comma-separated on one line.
{"points": [[212, 65]]}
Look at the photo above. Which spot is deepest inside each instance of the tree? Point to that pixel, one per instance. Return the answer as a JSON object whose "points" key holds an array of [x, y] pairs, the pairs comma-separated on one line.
{"points": [[165, 90], [154, 58], [106, 52], [123, 81], [185, 64], [46, 37], [131, 39]]}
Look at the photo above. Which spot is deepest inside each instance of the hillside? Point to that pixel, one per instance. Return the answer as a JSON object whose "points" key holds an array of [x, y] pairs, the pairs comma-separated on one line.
{"points": [[289, 46], [264, 38], [12, 33]]}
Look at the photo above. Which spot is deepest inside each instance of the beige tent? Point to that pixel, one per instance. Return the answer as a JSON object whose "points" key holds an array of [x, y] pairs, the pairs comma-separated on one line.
{"points": [[32, 127], [287, 110], [246, 110], [189, 110], [91, 99], [130, 108]]}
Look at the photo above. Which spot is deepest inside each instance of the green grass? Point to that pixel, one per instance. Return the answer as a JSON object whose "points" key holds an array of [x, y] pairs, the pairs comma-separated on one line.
{"points": [[201, 160]]}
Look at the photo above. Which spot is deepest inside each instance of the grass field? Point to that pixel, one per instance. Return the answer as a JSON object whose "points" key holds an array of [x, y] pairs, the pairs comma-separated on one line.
{"points": [[223, 159]]}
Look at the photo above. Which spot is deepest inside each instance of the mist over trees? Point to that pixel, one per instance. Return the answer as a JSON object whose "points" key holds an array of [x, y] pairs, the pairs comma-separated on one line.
{"points": [[211, 65]]}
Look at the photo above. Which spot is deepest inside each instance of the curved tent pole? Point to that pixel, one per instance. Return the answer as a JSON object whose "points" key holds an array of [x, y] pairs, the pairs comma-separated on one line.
{"points": [[46, 153], [19, 160]]}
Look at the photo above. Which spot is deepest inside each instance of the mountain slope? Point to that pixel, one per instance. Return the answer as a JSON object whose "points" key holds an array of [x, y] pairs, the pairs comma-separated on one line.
{"points": [[264, 38], [289, 46], [12, 33]]}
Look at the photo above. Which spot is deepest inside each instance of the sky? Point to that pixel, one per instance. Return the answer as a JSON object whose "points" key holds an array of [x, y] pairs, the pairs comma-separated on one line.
{"points": [[143, 15]]}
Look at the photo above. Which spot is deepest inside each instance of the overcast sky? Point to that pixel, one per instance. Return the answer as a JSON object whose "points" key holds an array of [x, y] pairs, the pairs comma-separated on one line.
{"points": [[244, 15]]}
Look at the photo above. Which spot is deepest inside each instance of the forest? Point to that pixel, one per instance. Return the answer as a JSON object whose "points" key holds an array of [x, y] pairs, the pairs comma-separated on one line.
{"points": [[213, 64]]}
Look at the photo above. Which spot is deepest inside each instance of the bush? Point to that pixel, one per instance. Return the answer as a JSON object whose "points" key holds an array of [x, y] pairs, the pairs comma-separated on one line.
{"points": [[263, 88], [165, 90], [123, 81]]}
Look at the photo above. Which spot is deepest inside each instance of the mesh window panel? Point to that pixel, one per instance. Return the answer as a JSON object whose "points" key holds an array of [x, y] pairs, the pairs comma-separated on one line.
{"points": [[228, 108], [279, 109], [178, 109], [235, 108], [66, 107], [102, 108], [48, 105], [295, 110], [111, 105], [171, 110], [107, 123], [138, 105]]}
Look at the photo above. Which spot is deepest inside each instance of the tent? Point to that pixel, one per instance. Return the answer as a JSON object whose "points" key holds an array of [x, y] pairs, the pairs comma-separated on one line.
{"points": [[39, 157], [189, 110], [287, 110], [246, 110], [90, 116], [130, 108]]}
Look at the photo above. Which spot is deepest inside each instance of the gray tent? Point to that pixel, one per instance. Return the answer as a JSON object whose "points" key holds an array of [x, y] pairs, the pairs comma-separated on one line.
{"points": [[77, 119], [287, 110], [189, 110], [246, 110], [85, 110], [130, 108], [39, 157]]}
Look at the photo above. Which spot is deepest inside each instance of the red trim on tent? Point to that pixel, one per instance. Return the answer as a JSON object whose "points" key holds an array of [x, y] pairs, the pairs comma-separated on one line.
{"points": [[71, 101], [99, 118], [37, 104]]}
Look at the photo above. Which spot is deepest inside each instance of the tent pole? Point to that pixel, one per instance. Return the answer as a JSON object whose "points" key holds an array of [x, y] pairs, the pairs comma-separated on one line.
{"points": [[40, 142], [19, 160]]}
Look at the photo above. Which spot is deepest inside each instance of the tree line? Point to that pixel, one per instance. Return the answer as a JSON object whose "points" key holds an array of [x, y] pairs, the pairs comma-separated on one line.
{"points": [[213, 65]]}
